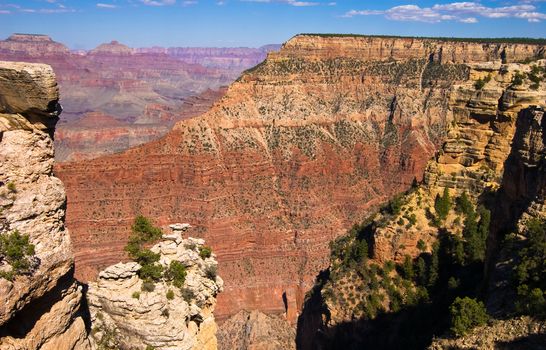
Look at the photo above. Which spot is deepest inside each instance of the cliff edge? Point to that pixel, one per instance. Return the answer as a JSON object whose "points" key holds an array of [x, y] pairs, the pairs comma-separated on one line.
{"points": [[39, 298]]}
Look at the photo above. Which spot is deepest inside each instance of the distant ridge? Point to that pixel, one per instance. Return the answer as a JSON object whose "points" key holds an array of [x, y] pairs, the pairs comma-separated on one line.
{"points": [[516, 40]]}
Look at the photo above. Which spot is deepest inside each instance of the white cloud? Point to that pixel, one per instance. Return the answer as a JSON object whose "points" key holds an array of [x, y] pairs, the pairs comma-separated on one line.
{"points": [[158, 2], [289, 2], [106, 6], [464, 12], [4, 12]]}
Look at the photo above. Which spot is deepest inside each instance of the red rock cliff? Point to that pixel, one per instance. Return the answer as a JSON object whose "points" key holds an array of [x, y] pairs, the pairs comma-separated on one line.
{"points": [[300, 148]]}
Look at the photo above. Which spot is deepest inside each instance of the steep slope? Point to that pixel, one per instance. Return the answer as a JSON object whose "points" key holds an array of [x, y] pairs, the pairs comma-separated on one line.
{"points": [[39, 299], [300, 148], [444, 239]]}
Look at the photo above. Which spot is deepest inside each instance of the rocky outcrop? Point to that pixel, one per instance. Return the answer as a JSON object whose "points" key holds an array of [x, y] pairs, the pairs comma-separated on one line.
{"points": [[32, 45], [517, 333], [40, 307], [300, 148], [256, 331], [127, 315]]}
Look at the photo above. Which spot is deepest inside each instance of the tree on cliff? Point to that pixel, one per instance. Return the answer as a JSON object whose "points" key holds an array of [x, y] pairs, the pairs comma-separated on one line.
{"points": [[442, 204], [466, 313]]}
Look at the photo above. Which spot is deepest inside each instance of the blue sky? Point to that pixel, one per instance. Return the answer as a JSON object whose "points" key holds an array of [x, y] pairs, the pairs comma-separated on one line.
{"points": [[140, 23]]}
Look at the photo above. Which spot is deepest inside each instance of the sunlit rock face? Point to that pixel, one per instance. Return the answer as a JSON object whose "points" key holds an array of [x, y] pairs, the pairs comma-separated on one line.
{"points": [[39, 309]]}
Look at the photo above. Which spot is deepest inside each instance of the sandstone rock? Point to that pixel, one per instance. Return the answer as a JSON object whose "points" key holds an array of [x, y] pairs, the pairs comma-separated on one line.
{"points": [[515, 333], [256, 331], [41, 309], [29, 89], [123, 315]]}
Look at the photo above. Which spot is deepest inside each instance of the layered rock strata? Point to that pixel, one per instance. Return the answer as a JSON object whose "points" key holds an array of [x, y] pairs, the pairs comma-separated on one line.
{"points": [[124, 315], [493, 152], [300, 148], [39, 309]]}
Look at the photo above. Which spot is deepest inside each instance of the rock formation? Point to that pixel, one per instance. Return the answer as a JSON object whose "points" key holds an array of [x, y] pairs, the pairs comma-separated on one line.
{"points": [[40, 304], [125, 315], [300, 148], [493, 154], [256, 331], [146, 90]]}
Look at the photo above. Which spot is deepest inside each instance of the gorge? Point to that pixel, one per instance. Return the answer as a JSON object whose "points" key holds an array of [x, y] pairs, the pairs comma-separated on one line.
{"points": [[324, 135], [299, 149]]}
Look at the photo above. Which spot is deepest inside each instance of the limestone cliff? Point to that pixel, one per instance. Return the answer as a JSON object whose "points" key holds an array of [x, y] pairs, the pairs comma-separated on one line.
{"points": [[39, 299], [414, 257], [129, 313]]}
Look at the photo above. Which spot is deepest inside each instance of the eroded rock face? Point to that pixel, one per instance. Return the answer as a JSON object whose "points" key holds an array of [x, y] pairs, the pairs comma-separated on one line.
{"points": [[493, 152], [40, 309], [256, 331], [124, 316], [299, 149]]}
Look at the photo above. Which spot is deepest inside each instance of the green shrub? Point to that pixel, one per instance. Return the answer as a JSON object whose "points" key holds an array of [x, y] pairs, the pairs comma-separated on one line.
{"points": [[170, 294], [187, 294], [479, 84], [205, 252], [151, 272], [146, 232], [17, 251], [176, 273], [11, 187], [136, 295], [147, 286], [421, 245], [211, 271], [518, 79], [442, 205], [466, 313]]}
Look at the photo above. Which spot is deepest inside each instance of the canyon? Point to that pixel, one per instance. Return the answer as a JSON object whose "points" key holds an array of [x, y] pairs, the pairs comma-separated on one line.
{"points": [[115, 97], [300, 148]]}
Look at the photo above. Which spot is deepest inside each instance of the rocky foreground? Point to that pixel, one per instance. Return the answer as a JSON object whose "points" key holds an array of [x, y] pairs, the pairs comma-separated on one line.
{"points": [[40, 301], [126, 315]]}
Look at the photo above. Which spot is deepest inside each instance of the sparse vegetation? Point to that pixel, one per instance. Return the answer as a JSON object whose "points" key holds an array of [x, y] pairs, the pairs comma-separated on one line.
{"points": [[170, 294], [466, 314], [211, 271], [11, 187], [176, 273], [480, 83], [136, 295], [205, 252], [147, 286], [17, 251]]}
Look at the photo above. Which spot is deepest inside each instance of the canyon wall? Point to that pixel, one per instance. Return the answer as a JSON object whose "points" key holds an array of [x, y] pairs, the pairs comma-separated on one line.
{"points": [[493, 156], [300, 148], [40, 300]]}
